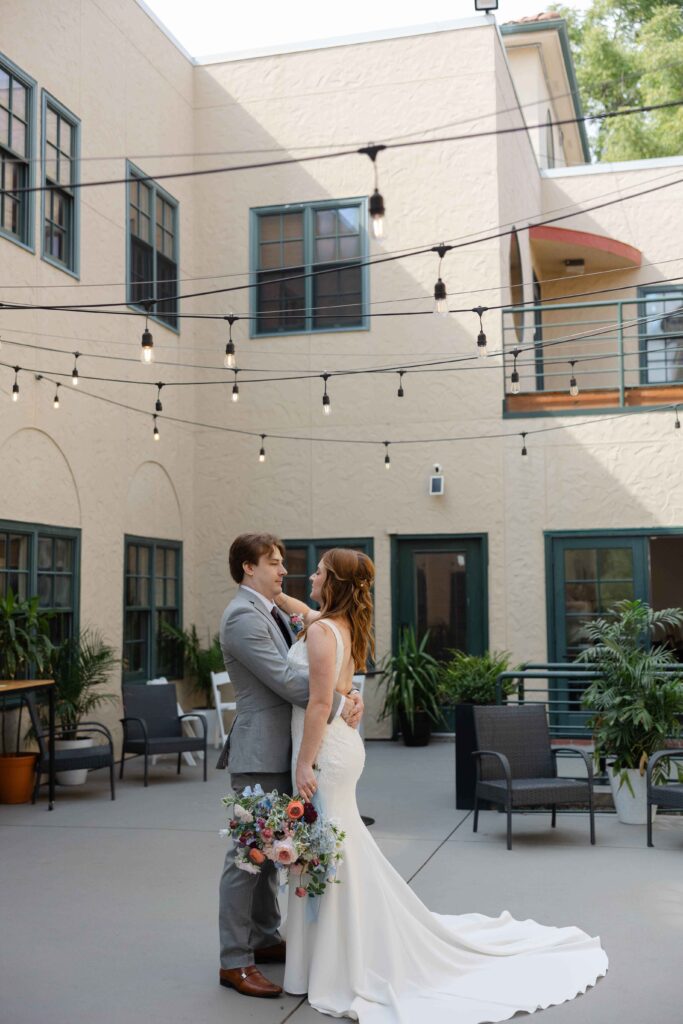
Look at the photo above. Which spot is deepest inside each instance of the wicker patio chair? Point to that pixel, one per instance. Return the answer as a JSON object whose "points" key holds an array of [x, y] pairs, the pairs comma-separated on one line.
{"points": [[101, 755], [668, 795], [152, 725], [517, 767]]}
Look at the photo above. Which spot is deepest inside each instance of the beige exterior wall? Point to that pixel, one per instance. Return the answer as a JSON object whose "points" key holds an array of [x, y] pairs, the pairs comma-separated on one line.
{"points": [[95, 466]]}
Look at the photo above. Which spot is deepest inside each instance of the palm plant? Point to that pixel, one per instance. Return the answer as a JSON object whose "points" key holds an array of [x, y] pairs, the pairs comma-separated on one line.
{"points": [[639, 696], [411, 677], [81, 665], [199, 661], [24, 643]]}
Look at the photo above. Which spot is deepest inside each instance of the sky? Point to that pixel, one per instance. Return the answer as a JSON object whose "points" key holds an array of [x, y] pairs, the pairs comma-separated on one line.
{"points": [[228, 26]]}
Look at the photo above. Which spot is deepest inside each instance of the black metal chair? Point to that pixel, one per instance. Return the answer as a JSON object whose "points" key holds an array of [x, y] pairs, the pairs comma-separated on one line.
{"points": [[152, 725], [669, 794], [101, 755], [517, 767]]}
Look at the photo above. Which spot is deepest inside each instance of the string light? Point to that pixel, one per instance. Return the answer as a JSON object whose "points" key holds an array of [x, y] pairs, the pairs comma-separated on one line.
{"points": [[523, 436], [327, 407], [677, 424], [147, 351], [235, 389], [387, 460], [440, 294], [481, 337], [158, 406], [229, 359], [15, 386], [155, 435], [74, 372], [400, 391], [55, 400], [262, 451], [514, 376], [376, 204], [573, 386]]}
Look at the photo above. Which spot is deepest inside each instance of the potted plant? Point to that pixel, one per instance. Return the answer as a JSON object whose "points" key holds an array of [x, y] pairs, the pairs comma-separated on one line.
{"points": [[637, 700], [411, 679], [466, 680], [24, 644], [80, 666], [199, 662]]}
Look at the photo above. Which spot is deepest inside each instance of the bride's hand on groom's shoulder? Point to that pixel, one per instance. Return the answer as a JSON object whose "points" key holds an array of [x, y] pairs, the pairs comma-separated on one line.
{"points": [[353, 709]]}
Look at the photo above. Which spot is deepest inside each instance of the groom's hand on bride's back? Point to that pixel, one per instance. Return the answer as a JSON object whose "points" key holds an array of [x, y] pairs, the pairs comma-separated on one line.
{"points": [[353, 709]]}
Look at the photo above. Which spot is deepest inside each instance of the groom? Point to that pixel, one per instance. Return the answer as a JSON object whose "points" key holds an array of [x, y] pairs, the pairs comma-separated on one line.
{"points": [[255, 638]]}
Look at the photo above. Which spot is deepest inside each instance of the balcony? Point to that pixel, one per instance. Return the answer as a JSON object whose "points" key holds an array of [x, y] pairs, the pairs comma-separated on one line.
{"points": [[622, 354]]}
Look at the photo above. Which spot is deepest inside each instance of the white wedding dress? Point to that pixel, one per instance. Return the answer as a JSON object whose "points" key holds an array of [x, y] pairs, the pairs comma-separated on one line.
{"points": [[368, 949]]}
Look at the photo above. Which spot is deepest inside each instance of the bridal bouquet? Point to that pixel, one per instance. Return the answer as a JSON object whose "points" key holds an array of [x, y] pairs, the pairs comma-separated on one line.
{"points": [[289, 832]]}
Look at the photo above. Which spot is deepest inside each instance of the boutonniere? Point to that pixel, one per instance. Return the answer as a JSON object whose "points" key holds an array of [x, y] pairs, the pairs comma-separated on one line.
{"points": [[297, 623]]}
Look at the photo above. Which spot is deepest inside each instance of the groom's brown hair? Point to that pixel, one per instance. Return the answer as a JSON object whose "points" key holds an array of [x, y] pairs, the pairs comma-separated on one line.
{"points": [[249, 547]]}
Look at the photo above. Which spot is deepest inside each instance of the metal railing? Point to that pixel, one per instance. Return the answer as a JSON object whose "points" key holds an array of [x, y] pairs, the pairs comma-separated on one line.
{"points": [[615, 345]]}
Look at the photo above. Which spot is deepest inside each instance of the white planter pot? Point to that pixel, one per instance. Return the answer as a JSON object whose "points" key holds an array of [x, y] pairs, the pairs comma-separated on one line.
{"points": [[78, 776], [631, 809]]}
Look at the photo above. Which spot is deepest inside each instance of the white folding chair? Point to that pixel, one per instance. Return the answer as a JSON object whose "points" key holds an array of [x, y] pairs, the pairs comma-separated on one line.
{"points": [[163, 681], [219, 679], [359, 684]]}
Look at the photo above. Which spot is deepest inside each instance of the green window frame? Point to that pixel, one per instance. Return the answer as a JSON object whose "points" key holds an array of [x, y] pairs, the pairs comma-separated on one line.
{"points": [[152, 594], [17, 117], [36, 559], [290, 246], [152, 248], [60, 197], [661, 345]]}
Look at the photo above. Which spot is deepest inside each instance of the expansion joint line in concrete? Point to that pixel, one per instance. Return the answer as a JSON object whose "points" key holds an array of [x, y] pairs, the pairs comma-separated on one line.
{"points": [[442, 843]]}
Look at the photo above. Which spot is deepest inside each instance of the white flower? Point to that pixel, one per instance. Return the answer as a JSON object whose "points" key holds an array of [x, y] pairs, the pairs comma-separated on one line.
{"points": [[242, 814], [223, 832], [246, 865]]}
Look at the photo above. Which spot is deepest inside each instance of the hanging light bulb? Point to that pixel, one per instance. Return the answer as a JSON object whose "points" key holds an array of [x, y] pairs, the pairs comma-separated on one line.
{"points": [[573, 386], [15, 386], [55, 400], [229, 358], [262, 451], [387, 460], [523, 436], [514, 376], [400, 391], [327, 408], [74, 372], [158, 406], [235, 389], [677, 424], [155, 435], [440, 294], [481, 337], [376, 205], [147, 350]]}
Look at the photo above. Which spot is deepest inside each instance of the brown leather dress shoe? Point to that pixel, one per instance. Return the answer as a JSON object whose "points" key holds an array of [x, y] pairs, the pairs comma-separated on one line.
{"points": [[249, 981], [276, 954]]}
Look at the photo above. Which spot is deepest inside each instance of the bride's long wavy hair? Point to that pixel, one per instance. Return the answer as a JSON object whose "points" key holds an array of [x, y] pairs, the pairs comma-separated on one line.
{"points": [[347, 592]]}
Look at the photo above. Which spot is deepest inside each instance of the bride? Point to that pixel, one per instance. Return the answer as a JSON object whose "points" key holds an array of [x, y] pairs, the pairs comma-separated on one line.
{"points": [[369, 949]]}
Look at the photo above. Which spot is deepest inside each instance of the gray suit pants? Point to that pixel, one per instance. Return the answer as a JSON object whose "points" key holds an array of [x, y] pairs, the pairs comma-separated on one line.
{"points": [[248, 913]]}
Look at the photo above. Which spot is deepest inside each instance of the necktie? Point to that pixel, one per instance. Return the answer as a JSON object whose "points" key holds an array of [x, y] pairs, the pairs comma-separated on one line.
{"points": [[282, 627]]}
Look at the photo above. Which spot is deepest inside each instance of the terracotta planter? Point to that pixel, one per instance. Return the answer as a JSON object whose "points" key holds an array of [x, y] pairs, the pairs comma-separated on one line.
{"points": [[17, 778]]}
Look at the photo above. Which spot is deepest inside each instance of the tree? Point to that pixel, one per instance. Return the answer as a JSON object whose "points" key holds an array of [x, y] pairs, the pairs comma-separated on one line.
{"points": [[629, 53]]}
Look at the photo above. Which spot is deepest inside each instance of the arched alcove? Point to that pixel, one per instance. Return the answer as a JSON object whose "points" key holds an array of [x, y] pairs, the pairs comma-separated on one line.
{"points": [[38, 485], [152, 507]]}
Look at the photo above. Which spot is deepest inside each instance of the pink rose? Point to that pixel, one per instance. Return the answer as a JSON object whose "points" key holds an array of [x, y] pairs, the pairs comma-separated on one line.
{"points": [[284, 852], [266, 834], [299, 891]]}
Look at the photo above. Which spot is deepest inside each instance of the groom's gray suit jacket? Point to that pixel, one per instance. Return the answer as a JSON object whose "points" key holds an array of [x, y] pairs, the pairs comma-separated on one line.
{"points": [[255, 655]]}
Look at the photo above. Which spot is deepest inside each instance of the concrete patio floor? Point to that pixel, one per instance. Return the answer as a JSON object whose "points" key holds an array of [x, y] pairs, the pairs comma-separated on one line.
{"points": [[109, 909]]}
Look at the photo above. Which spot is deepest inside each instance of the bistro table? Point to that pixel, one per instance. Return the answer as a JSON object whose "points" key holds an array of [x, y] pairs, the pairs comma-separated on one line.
{"points": [[17, 687]]}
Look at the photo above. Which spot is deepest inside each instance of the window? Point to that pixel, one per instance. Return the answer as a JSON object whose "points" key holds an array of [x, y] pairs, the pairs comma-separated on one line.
{"points": [[152, 596], [309, 272], [43, 560], [303, 557], [662, 351], [16, 143], [152, 248], [60, 200]]}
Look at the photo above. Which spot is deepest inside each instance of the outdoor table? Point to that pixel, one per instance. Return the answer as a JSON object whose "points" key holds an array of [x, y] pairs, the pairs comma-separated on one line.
{"points": [[18, 686]]}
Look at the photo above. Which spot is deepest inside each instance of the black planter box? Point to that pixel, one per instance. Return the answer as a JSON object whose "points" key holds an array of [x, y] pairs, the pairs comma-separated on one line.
{"points": [[465, 744]]}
